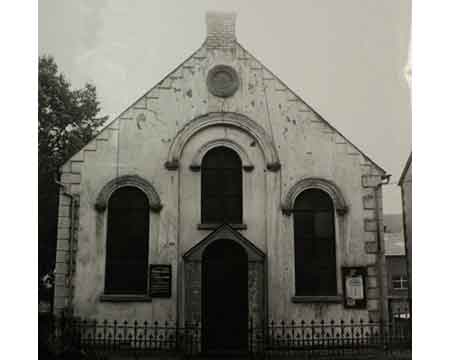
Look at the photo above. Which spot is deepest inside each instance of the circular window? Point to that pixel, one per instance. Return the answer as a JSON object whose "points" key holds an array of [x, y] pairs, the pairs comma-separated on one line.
{"points": [[222, 81]]}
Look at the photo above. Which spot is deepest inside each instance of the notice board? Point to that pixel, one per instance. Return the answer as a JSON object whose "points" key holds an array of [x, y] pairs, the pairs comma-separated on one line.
{"points": [[161, 281], [354, 284]]}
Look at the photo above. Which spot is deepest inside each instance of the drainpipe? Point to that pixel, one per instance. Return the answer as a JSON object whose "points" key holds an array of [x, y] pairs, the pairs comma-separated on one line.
{"points": [[71, 236], [381, 260]]}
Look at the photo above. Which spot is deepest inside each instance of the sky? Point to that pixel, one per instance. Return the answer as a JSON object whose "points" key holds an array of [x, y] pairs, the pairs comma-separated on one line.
{"points": [[345, 58]]}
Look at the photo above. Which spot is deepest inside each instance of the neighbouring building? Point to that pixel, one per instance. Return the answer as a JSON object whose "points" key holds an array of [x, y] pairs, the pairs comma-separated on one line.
{"points": [[396, 266], [219, 196], [405, 183]]}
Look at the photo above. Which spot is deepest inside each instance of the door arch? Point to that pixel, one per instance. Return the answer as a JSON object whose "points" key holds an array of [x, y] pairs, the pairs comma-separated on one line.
{"points": [[224, 297]]}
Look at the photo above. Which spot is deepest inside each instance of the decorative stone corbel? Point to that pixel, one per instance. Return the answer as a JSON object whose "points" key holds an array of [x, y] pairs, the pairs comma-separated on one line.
{"points": [[342, 211], [172, 164], [195, 167], [100, 206], [274, 166], [285, 210]]}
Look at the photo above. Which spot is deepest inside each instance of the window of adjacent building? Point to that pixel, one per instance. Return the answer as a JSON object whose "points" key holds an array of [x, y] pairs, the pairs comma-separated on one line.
{"points": [[315, 249], [221, 187], [400, 282], [127, 242]]}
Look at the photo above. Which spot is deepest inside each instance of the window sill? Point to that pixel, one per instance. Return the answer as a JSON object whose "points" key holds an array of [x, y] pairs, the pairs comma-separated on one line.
{"points": [[215, 226], [317, 299], [124, 298]]}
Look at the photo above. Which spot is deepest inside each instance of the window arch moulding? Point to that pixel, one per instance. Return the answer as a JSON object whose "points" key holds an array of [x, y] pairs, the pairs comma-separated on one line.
{"points": [[227, 119], [128, 180], [247, 164], [287, 205]]}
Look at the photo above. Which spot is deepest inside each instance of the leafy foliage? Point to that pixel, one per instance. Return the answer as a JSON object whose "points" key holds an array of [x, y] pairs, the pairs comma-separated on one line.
{"points": [[67, 120]]}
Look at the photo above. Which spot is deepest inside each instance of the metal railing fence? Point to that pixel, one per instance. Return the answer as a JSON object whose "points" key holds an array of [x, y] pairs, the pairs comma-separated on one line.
{"points": [[274, 339]]}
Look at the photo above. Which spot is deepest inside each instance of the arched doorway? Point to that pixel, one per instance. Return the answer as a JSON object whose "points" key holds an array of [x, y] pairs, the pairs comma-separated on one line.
{"points": [[224, 297]]}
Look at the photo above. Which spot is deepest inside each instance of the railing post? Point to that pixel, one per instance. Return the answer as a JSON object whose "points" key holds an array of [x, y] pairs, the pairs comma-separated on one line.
{"points": [[185, 338], [250, 331], [177, 340]]}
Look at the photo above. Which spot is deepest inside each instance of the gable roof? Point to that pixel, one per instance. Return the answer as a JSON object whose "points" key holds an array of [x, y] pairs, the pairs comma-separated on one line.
{"points": [[265, 68], [224, 231]]}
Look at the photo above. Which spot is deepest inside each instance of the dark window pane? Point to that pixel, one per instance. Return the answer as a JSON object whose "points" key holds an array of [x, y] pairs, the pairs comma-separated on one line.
{"points": [[324, 224], [212, 159], [314, 236], [232, 182], [229, 160], [127, 242], [232, 209], [313, 199], [221, 186], [126, 278], [327, 282], [304, 223], [212, 210], [221, 158], [210, 181]]}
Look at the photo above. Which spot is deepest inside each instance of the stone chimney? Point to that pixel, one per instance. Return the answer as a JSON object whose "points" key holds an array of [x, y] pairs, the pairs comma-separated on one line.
{"points": [[220, 30]]}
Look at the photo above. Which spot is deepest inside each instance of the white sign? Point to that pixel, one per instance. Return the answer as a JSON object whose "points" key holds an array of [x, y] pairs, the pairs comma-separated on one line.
{"points": [[354, 287]]}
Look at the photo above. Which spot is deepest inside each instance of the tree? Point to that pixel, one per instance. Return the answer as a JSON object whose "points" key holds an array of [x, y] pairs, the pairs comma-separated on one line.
{"points": [[68, 119]]}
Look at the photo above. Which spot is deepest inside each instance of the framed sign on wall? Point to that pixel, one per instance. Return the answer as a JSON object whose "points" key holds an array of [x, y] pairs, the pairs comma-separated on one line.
{"points": [[161, 281], [354, 285]]}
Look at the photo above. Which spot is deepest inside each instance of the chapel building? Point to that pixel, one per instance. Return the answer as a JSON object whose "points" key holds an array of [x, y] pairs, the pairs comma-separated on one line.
{"points": [[220, 196]]}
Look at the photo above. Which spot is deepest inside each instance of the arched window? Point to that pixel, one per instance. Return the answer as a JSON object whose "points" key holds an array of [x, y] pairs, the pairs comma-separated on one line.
{"points": [[221, 187], [315, 249], [127, 242]]}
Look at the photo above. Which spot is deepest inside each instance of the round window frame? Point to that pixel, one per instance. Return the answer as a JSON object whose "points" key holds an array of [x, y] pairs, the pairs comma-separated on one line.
{"points": [[220, 91]]}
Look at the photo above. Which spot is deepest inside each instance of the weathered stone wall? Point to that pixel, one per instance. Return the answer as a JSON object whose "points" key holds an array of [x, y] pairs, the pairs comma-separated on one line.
{"points": [[256, 292], [193, 292], [139, 142]]}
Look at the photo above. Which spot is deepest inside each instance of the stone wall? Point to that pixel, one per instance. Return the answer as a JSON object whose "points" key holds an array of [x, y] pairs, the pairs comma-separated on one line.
{"points": [[283, 139], [256, 292], [193, 291]]}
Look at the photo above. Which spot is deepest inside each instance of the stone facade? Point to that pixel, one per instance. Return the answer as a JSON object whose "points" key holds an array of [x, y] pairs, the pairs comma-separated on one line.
{"points": [[284, 145]]}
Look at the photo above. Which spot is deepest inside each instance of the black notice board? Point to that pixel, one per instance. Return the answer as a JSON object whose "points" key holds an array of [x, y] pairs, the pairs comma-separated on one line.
{"points": [[161, 281], [354, 284]]}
